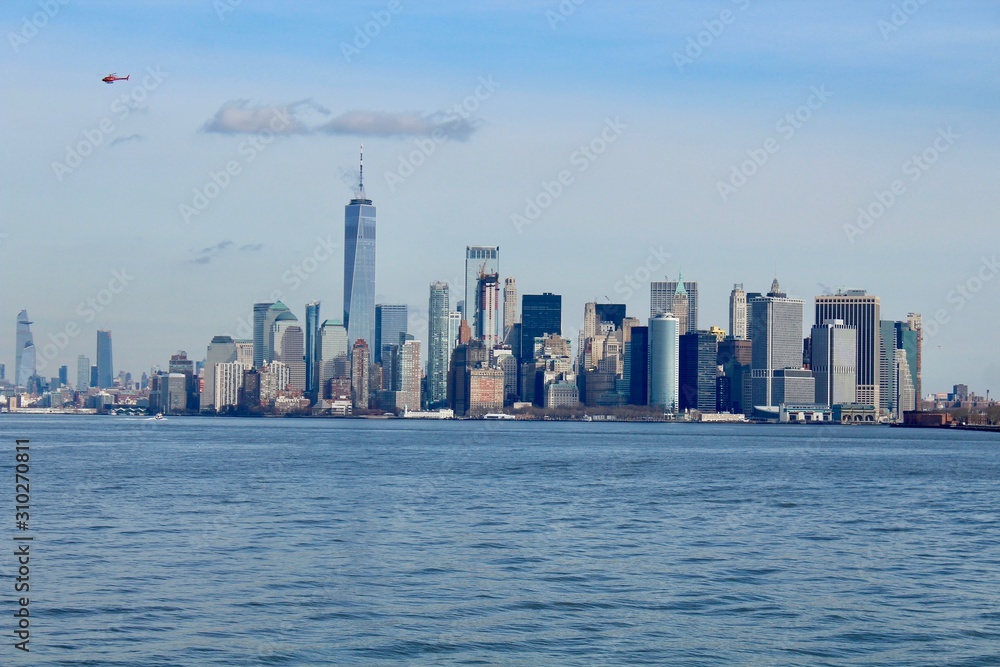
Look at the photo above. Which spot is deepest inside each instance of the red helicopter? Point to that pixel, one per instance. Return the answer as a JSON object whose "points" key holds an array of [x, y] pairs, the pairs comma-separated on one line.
{"points": [[111, 78]]}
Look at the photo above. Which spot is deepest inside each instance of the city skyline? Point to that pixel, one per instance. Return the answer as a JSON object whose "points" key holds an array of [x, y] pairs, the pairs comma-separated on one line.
{"points": [[274, 226]]}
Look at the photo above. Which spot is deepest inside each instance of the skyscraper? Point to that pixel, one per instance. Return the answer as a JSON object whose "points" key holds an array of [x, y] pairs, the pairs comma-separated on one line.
{"points": [[289, 348], [541, 314], [408, 375], [222, 350], [915, 321], [82, 373], [24, 353], [274, 311], [664, 362], [333, 354], [259, 314], [509, 307], [638, 353], [105, 372], [679, 308], [312, 347], [661, 300], [359, 266], [738, 312], [699, 351], [438, 345], [454, 325], [833, 362], [862, 311], [776, 324], [478, 259], [488, 309], [360, 374], [390, 323]]}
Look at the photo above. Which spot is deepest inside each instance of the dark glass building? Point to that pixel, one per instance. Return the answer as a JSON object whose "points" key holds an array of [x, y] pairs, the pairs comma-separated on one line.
{"points": [[541, 314], [639, 366], [698, 353]]}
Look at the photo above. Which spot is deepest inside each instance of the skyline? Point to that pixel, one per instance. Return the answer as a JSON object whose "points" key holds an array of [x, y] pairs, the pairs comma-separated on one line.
{"points": [[649, 202]]}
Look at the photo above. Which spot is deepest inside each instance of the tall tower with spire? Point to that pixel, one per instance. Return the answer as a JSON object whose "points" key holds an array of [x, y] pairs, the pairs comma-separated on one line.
{"points": [[681, 305], [359, 265], [661, 300]]}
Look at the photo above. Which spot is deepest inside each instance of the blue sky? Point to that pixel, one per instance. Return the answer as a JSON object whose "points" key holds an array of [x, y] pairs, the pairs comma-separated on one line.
{"points": [[204, 78]]}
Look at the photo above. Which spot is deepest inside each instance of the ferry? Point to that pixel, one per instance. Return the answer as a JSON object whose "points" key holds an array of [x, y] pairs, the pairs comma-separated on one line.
{"points": [[498, 415]]}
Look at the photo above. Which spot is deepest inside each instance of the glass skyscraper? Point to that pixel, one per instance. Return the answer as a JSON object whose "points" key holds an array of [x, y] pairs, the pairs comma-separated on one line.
{"points": [[312, 346], [664, 362], [359, 267], [438, 345], [259, 315], [541, 314], [105, 374], [390, 322]]}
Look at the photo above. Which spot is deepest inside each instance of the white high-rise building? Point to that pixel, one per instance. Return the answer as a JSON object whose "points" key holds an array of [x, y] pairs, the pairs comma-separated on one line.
{"points": [[228, 382], [738, 312], [274, 378], [509, 306]]}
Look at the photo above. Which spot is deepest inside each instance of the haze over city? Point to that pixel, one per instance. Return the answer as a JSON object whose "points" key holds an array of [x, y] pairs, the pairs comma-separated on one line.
{"points": [[651, 139]]}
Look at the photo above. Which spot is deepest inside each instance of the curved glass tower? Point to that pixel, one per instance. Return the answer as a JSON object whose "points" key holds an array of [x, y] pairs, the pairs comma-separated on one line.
{"points": [[664, 361], [359, 266]]}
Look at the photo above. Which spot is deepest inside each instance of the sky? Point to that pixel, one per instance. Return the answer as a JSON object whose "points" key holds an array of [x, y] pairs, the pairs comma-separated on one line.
{"points": [[601, 145]]}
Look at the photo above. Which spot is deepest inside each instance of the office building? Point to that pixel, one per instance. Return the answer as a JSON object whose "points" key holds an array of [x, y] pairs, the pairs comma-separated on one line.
{"points": [[391, 323], [638, 365], [333, 355], [738, 312], [105, 372], [915, 322], [359, 267], [661, 300], [438, 345], [862, 311], [833, 362], [509, 309], [259, 315], [274, 311], [312, 348], [24, 352], [698, 367], [541, 315], [488, 309], [776, 335], [82, 373], [222, 350], [478, 260], [664, 362]]}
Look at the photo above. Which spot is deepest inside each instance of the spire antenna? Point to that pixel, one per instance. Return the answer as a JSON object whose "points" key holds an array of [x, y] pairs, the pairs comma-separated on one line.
{"points": [[361, 172]]}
